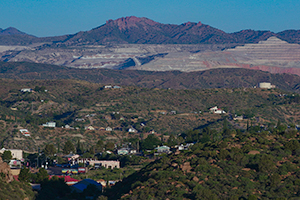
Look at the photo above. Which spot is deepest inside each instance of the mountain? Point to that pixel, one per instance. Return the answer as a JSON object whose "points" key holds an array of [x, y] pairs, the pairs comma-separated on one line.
{"points": [[135, 30], [11, 31]]}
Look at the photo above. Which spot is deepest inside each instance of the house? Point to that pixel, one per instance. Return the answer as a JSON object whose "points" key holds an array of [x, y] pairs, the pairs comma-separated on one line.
{"points": [[25, 132], [123, 151], [173, 112], [116, 87], [163, 149], [132, 130], [79, 119], [216, 110], [71, 156], [50, 124], [82, 185], [238, 117], [16, 153], [266, 85], [90, 128], [108, 128], [26, 90], [108, 164], [107, 86]]}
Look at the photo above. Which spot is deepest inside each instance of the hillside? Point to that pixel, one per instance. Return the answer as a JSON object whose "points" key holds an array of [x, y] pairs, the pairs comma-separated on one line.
{"points": [[246, 165], [80, 104], [215, 78]]}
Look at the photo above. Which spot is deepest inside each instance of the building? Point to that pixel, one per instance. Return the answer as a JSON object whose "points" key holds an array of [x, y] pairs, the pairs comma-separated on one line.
{"points": [[266, 85], [82, 185], [105, 163], [90, 128], [216, 110], [163, 149], [132, 130], [108, 128], [16, 153], [25, 132], [26, 90], [50, 124], [123, 151]]}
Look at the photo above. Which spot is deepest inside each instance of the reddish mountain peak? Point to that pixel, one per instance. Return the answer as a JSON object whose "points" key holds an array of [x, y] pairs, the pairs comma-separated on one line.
{"points": [[131, 21]]}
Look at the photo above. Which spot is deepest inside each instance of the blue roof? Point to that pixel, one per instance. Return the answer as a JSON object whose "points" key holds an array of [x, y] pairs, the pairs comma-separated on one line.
{"points": [[80, 186]]}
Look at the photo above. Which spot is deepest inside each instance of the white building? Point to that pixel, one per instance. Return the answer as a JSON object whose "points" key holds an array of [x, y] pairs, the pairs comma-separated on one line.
{"points": [[216, 110], [16, 153], [25, 132], [108, 128], [50, 124], [132, 130], [266, 85], [26, 90]]}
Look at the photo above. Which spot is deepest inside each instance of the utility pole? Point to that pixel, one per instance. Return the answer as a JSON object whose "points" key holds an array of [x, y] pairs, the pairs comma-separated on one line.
{"points": [[37, 162]]}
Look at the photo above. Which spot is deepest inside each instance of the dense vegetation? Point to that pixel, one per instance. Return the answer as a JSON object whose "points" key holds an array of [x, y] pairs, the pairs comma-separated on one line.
{"points": [[243, 165]]}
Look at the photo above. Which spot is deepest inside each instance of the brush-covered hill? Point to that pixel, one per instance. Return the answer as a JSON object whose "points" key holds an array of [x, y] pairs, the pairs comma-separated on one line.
{"points": [[245, 165], [214, 78]]}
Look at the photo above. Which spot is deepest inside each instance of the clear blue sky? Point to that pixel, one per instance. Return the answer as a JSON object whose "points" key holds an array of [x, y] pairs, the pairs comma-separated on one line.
{"points": [[59, 17]]}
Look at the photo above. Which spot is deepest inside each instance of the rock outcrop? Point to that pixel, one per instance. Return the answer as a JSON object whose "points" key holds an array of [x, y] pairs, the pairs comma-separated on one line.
{"points": [[5, 171]]}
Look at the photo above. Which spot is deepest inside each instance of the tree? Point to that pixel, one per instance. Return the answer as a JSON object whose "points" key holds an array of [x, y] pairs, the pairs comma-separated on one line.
{"points": [[6, 156], [49, 150], [79, 148], [68, 147], [42, 175], [24, 175], [110, 146], [150, 142]]}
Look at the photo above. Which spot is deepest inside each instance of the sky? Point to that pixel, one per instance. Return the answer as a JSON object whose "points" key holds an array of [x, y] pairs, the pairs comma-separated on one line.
{"points": [[59, 17]]}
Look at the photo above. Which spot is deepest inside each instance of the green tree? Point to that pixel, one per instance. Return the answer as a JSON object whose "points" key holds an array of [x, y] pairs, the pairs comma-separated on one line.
{"points": [[68, 147], [79, 148], [150, 142], [49, 150], [6, 156], [110, 146], [42, 175], [24, 175]]}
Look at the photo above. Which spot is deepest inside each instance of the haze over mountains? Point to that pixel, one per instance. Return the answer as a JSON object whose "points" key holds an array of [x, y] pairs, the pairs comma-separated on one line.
{"points": [[143, 44]]}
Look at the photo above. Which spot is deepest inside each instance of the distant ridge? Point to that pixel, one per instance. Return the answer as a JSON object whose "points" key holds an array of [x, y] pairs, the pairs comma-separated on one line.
{"points": [[135, 30], [11, 31]]}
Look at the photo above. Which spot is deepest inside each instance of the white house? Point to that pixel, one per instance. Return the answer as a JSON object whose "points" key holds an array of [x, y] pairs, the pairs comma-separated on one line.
{"points": [[90, 128], [16, 153], [26, 90], [50, 124], [25, 132], [216, 110], [108, 128], [132, 130]]}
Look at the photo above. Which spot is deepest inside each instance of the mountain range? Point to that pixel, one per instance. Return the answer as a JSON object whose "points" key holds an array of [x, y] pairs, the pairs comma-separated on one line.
{"points": [[134, 30]]}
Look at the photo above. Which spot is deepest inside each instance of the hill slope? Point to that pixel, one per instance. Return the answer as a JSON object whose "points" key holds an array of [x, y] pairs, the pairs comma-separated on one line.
{"points": [[215, 78], [250, 165]]}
